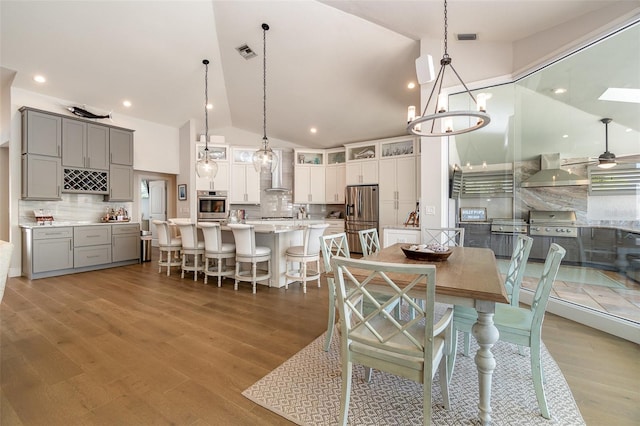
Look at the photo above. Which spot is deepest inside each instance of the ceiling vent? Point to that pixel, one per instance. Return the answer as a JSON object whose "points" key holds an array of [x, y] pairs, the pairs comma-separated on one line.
{"points": [[467, 37], [246, 52]]}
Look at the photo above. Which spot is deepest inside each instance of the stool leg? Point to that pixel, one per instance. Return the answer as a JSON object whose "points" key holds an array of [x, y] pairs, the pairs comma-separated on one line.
{"points": [[303, 272], [318, 271], [269, 271], [286, 279], [220, 272], [253, 275], [184, 263], [195, 266], [206, 269], [160, 262], [235, 285]]}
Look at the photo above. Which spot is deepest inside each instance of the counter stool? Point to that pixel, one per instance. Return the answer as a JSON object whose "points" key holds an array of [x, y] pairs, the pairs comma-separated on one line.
{"points": [[192, 249], [247, 252], [308, 252], [167, 244], [216, 250]]}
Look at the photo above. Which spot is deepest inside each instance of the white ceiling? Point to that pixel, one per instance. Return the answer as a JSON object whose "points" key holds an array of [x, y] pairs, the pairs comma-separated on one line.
{"points": [[341, 66]]}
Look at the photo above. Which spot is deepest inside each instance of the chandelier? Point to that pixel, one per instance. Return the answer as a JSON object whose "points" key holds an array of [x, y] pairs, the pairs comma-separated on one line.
{"points": [[264, 159], [440, 122], [205, 166]]}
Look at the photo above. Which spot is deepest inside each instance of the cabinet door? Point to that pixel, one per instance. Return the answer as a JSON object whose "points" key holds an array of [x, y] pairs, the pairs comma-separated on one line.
{"points": [[388, 213], [218, 183], [370, 172], [317, 184], [335, 181], [121, 147], [41, 134], [252, 185], [125, 247], [91, 255], [388, 186], [41, 177], [238, 184], [74, 138], [97, 147], [120, 183], [353, 174], [301, 184], [340, 182], [405, 179], [52, 254]]}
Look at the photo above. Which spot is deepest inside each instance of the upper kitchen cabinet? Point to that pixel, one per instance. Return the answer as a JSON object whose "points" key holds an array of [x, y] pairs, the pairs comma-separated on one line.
{"points": [[85, 145], [41, 177], [120, 183], [245, 180], [362, 163], [121, 146], [335, 179], [309, 177], [398, 147], [221, 181], [41, 133]]}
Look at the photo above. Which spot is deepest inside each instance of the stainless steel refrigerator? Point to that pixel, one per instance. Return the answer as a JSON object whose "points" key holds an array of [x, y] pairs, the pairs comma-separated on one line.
{"points": [[361, 211]]}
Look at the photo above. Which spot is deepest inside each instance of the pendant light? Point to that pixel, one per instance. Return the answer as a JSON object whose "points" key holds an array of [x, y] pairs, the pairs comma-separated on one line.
{"points": [[205, 166], [607, 159], [264, 159], [432, 125]]}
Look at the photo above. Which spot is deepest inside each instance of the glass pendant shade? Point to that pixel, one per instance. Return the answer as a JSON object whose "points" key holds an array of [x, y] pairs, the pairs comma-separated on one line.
{"points": [[206, 167], [265, 159]]}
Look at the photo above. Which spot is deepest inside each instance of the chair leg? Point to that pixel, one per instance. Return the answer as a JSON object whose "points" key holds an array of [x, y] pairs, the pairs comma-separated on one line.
{"points": [[332, 314], [451, 359], [536, 372], [220, 271], [303, 272], [196, 263], [269, 272], [235, 284], [184, 263], [286, 279], [254, 267], [346, 392], [168, 263], [206, 269], [467, 343], [318, 271], [444, 381]]}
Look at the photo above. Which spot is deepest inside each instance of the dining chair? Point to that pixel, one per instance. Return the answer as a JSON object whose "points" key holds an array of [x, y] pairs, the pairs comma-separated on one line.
{"points": [[332, 245], [248, 252], [301, 255], [192, 248], [523, 326], [169, 245], [369, 241], [216, 252], [462, 315], [413, 348], [451, 237], [6, 248]]}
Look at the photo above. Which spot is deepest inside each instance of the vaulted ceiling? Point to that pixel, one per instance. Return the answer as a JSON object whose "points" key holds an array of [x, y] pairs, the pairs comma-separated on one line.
{"points": [[339, 66]]}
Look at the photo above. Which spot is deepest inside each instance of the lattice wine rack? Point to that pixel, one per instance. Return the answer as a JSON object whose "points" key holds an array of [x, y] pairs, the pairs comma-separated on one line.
{"points": [[86, 181]]}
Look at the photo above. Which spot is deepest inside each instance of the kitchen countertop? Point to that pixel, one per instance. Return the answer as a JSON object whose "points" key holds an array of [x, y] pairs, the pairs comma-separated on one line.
{"points": [[61, 224], [401, 227]]}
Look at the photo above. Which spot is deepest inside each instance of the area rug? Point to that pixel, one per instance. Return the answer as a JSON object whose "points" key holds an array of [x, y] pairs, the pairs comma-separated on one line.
{"points": [[306, 390], [573, 274]]}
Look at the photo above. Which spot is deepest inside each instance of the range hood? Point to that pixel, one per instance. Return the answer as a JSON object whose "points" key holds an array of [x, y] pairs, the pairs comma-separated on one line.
{"points": [[551, 174], [276, 176]]}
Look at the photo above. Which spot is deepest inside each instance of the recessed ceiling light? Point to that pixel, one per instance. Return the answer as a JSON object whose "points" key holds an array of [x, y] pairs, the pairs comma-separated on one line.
{"points": [[39, 79], [411, 85], [126, 103], [559, 91], [209, 106], [629, 130], [621, 95], [565, 136], [313, 130]]}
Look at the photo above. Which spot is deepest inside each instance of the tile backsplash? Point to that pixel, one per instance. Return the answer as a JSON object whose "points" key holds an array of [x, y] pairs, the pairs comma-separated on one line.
{"points": [[72, 208]]}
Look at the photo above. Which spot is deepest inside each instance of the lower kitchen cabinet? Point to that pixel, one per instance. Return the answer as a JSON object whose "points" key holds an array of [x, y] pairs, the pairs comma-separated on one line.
{"points": [[50, 251], [502, 244], [391, 236], [573, 246], [477, 235]]}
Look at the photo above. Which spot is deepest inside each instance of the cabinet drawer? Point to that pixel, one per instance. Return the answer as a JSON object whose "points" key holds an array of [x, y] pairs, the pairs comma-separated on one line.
{"points": [[43, 234], [132, 228], [91, 235], [93, 255]]}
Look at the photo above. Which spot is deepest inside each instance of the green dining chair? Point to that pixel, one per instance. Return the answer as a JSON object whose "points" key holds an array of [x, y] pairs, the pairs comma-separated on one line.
{"points": [[522, 326], [369, 241]]}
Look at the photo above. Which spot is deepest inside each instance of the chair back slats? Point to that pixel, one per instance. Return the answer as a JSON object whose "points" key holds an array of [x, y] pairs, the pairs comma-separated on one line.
{"points": [[212, 236], [369, 241], [451, 237], [245, 238], [333, 245], [549, 273], [517, 266], [356, 281]]}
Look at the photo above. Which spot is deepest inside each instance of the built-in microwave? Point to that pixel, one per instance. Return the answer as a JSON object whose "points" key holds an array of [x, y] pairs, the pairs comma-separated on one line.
{"points": [[212, 205]]}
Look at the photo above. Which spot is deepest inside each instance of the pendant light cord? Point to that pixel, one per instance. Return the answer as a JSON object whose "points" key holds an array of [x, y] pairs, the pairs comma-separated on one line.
{"points": [[206, 102], [445, 28], [265, 27]]}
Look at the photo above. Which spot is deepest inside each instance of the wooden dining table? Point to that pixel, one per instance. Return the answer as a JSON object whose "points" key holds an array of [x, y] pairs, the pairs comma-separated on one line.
{"points": [[469, 277]]}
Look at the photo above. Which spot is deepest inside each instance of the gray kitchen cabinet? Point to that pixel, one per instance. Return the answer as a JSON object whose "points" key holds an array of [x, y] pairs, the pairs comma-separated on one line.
{"points": [[121, 146], [41, 177], [92, 245], [477, 234], [120, 183], [541, 245], [85, 145], [125, 241], [41, 133], [599, 245], [52, 250]]}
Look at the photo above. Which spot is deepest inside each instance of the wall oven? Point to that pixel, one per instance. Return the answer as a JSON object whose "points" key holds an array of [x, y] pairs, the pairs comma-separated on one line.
{"points": [[212, 205]]}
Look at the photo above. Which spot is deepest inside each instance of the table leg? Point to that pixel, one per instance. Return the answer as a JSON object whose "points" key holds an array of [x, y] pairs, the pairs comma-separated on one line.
{"points": [[486, 335]]}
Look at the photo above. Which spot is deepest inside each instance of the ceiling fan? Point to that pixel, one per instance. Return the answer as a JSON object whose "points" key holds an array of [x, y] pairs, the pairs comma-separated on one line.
{"points": [[607, 159]]}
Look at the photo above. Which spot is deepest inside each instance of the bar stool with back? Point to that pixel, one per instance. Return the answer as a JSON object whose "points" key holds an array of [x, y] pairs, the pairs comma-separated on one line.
{"points": [[308, 252], [247, 252]]}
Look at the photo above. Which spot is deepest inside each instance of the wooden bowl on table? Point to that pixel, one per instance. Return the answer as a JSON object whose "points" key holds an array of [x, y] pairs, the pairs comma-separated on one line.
{"points": [[426, 256]]}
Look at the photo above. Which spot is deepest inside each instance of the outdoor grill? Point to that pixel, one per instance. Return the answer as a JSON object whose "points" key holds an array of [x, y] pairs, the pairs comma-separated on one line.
{"points": [[508, 226], [553, 224]]}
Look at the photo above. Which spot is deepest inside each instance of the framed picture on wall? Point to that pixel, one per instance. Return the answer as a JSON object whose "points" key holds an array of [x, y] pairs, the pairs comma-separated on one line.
{"points": [[182, 192]]}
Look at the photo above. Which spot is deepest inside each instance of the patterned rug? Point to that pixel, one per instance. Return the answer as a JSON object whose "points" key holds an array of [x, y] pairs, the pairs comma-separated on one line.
{"points": [[306, 390]]}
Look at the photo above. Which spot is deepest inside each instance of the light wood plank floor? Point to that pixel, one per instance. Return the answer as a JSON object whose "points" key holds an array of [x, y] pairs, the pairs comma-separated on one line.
{"points": [[129, 346]]}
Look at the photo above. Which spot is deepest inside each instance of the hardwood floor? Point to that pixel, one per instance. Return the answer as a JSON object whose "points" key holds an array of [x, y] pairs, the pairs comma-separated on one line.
{"points": [[130, 346]]}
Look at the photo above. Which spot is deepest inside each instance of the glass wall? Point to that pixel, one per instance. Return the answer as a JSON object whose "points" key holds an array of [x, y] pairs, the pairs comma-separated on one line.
{"points": [[551, 119]]}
